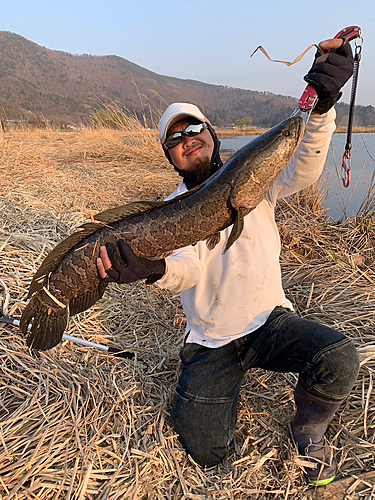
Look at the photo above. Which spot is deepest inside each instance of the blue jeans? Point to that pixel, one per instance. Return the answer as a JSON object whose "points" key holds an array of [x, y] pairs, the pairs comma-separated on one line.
{"points": [[205, 404]]}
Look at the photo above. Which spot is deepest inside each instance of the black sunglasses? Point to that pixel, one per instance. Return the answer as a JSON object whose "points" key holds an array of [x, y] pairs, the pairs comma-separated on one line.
{"points": [[191, 131]]}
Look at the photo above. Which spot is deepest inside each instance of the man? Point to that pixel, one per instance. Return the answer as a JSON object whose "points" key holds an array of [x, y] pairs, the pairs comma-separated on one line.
{"points": [[237, 314]]}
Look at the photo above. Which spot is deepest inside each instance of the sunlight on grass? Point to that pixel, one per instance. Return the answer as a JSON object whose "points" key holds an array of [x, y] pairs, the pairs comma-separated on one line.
{"points": [[76, 423]]}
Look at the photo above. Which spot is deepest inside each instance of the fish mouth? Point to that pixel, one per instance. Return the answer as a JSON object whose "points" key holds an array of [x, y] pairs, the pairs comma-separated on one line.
{"points": [[301, 129], [302, 126], [295, 126]]}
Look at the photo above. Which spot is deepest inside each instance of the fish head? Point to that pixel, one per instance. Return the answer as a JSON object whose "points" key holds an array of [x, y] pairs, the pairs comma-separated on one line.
{"points": [[282, 141], [254, 168], [258, 164]]}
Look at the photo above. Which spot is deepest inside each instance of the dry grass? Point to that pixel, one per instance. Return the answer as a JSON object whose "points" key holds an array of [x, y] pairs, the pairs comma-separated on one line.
{"points": [[235, 132], [78, 424], [356, 130]]}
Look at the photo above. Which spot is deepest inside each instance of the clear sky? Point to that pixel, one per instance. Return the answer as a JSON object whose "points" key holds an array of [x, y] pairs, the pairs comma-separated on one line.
{"points": [[208, 41]]}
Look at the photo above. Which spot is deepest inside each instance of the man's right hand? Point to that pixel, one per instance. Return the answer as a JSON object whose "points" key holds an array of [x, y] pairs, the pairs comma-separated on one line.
{"points": [[136, 268]]}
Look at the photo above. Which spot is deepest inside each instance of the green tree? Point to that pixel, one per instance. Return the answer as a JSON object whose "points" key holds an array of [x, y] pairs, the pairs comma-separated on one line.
{"points": [[247, 121]]}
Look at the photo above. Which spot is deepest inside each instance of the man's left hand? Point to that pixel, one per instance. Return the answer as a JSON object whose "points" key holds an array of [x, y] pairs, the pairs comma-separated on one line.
{"points": [[330, 72]]}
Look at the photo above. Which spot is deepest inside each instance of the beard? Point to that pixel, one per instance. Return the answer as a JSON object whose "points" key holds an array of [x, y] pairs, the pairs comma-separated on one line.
{"points": [[199, 172]]}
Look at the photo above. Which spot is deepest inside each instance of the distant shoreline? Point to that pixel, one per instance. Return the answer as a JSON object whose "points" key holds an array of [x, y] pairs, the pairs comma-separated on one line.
{"points": [[235, 132]]}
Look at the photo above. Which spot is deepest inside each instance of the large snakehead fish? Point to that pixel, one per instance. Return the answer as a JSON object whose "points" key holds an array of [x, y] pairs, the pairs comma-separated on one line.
{"points": [[67, 281]]}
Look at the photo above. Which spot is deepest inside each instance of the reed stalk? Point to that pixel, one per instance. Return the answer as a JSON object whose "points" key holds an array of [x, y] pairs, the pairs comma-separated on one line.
{"points": [[77, 424]]}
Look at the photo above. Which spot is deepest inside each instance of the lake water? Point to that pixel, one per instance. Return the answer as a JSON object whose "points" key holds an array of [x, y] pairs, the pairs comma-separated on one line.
{"points": [[340, 201]]}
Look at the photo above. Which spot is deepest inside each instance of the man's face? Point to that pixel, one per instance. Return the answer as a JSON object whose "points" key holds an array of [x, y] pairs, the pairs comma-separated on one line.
{"points": [[192, 152]]}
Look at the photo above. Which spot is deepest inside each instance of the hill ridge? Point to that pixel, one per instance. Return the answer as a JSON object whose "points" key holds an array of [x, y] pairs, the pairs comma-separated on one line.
{"points": [[61, 86]]}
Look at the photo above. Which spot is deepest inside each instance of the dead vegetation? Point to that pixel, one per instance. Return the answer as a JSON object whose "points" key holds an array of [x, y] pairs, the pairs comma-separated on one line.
{"points": [[79, 424]]}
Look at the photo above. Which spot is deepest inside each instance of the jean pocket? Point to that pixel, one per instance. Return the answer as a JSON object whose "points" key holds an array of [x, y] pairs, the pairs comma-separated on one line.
{"points": [[283, 315], [189, 353], [199, 399]]}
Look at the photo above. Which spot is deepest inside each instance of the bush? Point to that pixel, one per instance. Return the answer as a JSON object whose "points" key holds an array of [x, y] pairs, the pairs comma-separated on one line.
{"points": [[244, 122]]}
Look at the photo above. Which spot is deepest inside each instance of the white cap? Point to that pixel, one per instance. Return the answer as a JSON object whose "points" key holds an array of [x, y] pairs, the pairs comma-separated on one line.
{"points": [[176, 112]]}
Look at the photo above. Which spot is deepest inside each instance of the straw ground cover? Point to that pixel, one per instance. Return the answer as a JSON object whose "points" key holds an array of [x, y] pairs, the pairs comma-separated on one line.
{"points": [[79, 424]]}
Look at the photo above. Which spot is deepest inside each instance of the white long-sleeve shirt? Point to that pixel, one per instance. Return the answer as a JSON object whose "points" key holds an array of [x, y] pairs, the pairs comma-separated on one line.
{"points": [[227, 296]]}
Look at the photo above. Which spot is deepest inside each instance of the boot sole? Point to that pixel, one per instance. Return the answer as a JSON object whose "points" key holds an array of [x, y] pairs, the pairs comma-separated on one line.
{"points": [[322, 482]]}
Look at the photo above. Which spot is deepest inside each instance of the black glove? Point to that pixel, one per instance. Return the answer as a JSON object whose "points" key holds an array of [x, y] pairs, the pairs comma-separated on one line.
{"points": [[330, 76], [132, 268]]}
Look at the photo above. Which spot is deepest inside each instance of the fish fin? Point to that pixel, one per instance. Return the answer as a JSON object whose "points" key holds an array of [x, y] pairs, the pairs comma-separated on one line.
{"points": [[47, 325], [213, 240], [124, 212], [54, 258], [107, 217], [79, 304], [110, 216], [236, 230], [186, 194]]}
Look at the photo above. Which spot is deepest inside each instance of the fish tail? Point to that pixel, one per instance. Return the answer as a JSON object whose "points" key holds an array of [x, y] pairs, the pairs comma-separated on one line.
{"points": [[42, 326]]}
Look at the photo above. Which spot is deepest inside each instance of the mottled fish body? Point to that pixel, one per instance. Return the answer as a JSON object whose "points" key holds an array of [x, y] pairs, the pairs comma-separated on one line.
{"points": [[67, 282]]}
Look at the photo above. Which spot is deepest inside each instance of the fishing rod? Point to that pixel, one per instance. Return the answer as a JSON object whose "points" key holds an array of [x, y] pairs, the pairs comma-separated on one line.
{"points": [[114, 351]]}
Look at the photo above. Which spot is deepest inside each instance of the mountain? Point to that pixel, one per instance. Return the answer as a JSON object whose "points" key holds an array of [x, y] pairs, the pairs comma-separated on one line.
{"points": [[60, 86]]}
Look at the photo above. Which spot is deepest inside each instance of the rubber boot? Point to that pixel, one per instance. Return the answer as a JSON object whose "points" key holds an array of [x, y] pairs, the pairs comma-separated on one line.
{"points": [[308, 428]]}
